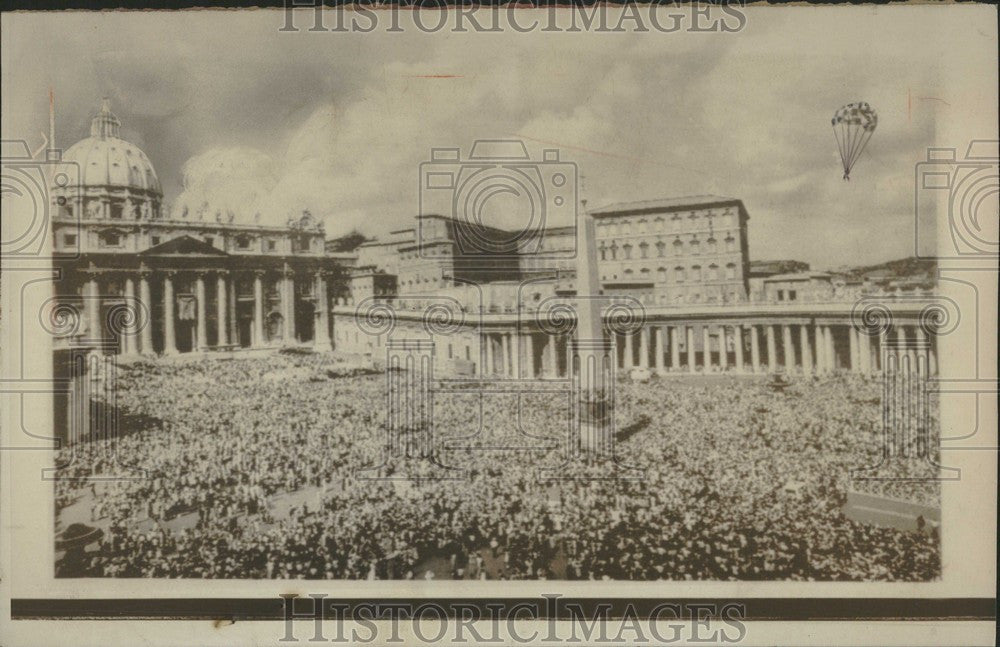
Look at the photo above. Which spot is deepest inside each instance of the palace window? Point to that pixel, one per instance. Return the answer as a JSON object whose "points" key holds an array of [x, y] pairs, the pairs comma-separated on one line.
{"points": [[643, 250], [661, 274], [731, 271], [110, 239], [713, 272], [695, 246], [117, 210], [713, 246], [627, 250], [791, 295], [679, 274], [272, 245], [243, 242], [675, 222], [661, 249], [678, 248], [69, 240], [730, 244], [696, 272]]}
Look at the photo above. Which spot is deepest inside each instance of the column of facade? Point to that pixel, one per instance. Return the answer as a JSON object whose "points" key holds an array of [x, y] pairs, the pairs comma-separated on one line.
{"points": [[201, 330], [658, 349], [234, 333], [629, 359], [258, 309], [820, 343], [754, 348], [832, 349], [644, 347], [923, 359], [804, 352], [128, 337], [689, 333], [169, 336], [288, 303], [221, 303], [321, 330], [738, 346], [855, 348], [675, 348], [723, 349], [932, 355], [491, 366], [772, 351], [788, 347], [706, 353], [93, 305], [145, 297]]}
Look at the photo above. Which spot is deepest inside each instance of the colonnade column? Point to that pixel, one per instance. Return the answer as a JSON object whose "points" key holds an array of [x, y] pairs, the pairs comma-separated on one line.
{"points": [[738, 346], [788, 347], [772, 351], [553, 356], [169, 336], [201, 331], [629, 357], [821, 357], [221, 301], [658, 348], [490, 360], [128, 336], [644, 347], [529, 355], [504, 349], [515, 355], [754, 349], [864, 354], [258, 309], [904, 351], [807, 363], [723, 349], [145, 297]]}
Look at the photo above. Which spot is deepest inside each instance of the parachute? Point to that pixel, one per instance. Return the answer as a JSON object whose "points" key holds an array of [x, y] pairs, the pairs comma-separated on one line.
{"points": [[853, 126]]}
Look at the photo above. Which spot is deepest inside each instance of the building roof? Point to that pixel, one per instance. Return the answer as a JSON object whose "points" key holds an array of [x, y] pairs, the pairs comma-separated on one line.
{"points": [[799, 276], [666, 204]]}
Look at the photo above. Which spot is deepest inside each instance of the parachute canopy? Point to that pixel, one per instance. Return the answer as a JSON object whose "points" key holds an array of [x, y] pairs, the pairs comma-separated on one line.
{"points": [[853, 126]]}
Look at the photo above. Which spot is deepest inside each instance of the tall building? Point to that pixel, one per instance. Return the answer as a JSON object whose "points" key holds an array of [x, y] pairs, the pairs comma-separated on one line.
{"points": [[203, 280]]}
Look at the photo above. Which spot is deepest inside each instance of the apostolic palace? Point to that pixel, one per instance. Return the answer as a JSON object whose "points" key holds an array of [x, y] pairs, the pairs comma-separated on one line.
{"points": [[676, 274]]}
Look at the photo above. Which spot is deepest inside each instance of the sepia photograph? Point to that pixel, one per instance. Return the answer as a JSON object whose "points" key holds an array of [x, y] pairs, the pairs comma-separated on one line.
{"points": [[600, 294]]}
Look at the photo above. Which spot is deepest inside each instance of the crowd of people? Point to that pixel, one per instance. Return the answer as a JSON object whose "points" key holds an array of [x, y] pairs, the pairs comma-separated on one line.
{"points": [[253, 468]]}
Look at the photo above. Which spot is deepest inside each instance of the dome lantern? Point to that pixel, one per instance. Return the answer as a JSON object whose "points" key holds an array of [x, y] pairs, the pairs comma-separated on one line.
{"points": [[105, 124]]}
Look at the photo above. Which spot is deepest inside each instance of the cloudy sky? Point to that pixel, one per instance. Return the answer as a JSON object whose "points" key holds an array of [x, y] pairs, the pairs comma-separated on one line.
{"points": [[232, 111]]}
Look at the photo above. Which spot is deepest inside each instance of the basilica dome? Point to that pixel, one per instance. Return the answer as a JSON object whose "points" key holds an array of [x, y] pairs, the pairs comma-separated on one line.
{"points": [[106, 160]]}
